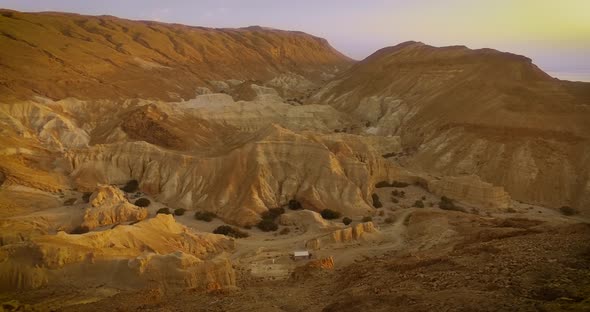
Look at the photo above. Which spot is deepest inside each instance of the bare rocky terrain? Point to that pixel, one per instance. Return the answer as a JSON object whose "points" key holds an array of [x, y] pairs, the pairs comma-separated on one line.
{"points": [[419, 179]]}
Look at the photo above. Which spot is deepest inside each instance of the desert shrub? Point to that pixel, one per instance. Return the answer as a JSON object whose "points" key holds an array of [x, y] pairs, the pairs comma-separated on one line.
{"points": [[273, 213], [267, 225], [510, 210], [285, 231], [346, 220], [568, 211], [179, 211], [430, 204], [382, 184], [164, 211], [248, 226], [330, 214], [69, 201], [395, 193], [389, 220], [86, 197], [376, 202], [142, 202], [392, 184], [131, 186], [367, 219], [388, 155], [407, 220], [402, 194], [418, 204], [80, 230], [230, 231], [395, 200], [381, 213], [423, 198], [448, 204], [294, 204], [205, 216]]}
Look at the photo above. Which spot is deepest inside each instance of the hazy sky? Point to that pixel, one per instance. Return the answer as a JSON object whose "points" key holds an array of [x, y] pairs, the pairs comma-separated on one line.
{"points": [[554, 33]]}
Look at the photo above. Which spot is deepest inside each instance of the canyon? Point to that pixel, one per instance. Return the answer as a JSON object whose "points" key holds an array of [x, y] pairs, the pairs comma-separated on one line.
{"points": [[126, 146]]}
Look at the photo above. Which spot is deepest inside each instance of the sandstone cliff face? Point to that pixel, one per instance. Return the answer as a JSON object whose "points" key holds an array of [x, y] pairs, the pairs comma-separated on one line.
{"points": [[350, 234], [461, 112], [108, 205], [126, 256], [472, 190], [58, 55], [274, 166]]}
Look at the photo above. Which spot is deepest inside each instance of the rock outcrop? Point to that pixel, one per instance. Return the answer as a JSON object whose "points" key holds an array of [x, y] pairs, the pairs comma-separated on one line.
{"points": [[305, 219], [108, 205], [360, 231], [100, 57], [269, 168], [460, 112], [126, 256], [470, 189]]}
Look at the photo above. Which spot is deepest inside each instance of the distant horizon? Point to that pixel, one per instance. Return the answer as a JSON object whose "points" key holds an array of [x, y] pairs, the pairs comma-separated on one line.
{"points": [[558, 43]]}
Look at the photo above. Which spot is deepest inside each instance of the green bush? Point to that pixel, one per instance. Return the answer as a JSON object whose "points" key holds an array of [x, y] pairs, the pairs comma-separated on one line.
{"points": [[131, 186], [179, 211], [80, 230], [230, 231], [267, 225], [330, 214], [273, 213], [568, 211], [367, 219], [205, 216], [294, 204], [163, 210], [376, 202], [86, 197], [142, 202], [419, 204], [346, 220]]}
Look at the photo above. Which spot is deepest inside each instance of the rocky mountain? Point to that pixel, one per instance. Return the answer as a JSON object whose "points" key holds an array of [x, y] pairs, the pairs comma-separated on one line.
{"points": [[145, 164], [58, 55], [460, 111]]}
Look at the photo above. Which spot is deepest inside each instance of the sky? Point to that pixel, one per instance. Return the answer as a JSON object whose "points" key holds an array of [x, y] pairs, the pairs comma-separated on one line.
{"points": [[554, 33]]}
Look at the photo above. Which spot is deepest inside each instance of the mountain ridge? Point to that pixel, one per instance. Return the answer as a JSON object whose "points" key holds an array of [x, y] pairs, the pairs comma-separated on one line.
{"points": [[57, 55]]}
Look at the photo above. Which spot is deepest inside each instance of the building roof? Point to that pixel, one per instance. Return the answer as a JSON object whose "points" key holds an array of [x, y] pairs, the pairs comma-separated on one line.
{"points": [[301, 253]]}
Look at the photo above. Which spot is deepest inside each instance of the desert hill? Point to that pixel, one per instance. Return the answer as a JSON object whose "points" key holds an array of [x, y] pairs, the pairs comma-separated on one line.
{"points": [[462, 111], [59, 55], [153, 166]]}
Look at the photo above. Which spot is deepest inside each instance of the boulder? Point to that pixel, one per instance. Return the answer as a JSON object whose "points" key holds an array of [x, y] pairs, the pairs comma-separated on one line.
{"points": [[108, 205]]}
